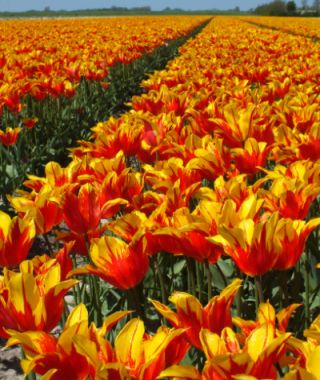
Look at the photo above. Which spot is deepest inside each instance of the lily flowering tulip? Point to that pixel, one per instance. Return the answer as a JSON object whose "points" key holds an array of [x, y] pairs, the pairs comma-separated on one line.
{"points": [[128, 137], [146, 356], [311, 370], [266, 314], [42, 207], [32, 301], [225, 359], [187, 234], [119, 189], [55, 177], [294, 204], [78, 353], [262, 350], [165, 173], [16, 237], [291, 237], [212, 161], [252, 156], [257, 247], [41, 264], [10, 136], [82, 211], [192, 316], [236, 125], [235, 188], [30, 123], [290, 196], [190, 241], [305, 359], [122, 265], [310, 146]]}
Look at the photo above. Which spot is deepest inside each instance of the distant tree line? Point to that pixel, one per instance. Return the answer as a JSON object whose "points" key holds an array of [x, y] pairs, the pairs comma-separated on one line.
{"points": [[282, 8], [144, 9]]}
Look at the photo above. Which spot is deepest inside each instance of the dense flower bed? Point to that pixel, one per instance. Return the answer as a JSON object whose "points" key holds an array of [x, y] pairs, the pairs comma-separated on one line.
{"points": [[309, 27], [207, 189], [48, 58]]}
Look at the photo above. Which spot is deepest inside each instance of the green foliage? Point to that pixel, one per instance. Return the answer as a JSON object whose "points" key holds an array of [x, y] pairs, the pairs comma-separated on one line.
{"points": [[291, 7], [274, 8]]}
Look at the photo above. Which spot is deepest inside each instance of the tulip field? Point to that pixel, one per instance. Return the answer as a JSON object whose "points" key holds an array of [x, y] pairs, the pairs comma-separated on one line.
{"points": [[179, 236]]}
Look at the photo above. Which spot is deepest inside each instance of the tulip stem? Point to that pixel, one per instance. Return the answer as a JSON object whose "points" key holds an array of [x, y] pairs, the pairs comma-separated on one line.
{"points": [[31, 376], [161, 280], [95, 285], [96, 299], [258, 284], [209, 278], [135, 300], [192, 289], [284, 288], [76, 290], [199, 280], [307, 288], [239, 294], [64, 315]]}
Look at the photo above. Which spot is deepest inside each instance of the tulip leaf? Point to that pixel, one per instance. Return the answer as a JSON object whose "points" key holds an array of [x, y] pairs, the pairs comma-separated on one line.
{"points": [[178, 267], [11, 171]]}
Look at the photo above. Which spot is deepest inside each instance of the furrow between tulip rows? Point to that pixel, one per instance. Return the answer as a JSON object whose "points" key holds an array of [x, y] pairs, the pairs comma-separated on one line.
{"points": [[204, 192]]}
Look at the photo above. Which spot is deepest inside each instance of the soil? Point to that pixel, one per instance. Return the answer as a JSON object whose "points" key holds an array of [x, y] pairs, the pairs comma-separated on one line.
{"points": [[10, 363]]}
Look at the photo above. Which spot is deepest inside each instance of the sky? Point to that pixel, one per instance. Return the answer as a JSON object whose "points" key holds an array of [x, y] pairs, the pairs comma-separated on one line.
{"points": [[23, 5]]}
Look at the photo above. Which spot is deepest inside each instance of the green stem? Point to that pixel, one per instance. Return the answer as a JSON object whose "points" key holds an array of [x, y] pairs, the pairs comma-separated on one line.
{"points": [[284, 288], [171, 287], [135, 300], [307, 288], [156, 282], [209, 278], [31, 376], [96, 300], [199, 280], [239, 294], [76, 288], [161, 280], [192, 289], [64, 315], [258, 285]]}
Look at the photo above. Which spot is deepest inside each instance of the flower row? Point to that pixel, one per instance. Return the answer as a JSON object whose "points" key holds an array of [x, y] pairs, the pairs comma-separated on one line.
{"points": [[309, 27], [83, 351], [48, 58]]}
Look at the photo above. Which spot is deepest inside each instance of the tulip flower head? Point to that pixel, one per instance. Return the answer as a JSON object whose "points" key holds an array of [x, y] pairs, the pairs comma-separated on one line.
{"points": [[27, 297], [16, 237], [192, 316], [122, 265]]}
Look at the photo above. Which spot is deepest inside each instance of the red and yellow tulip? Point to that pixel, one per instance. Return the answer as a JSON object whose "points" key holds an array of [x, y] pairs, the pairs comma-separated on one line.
{"points": [[122, 265], [16, 237], [192, 316], [33, 298]]}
